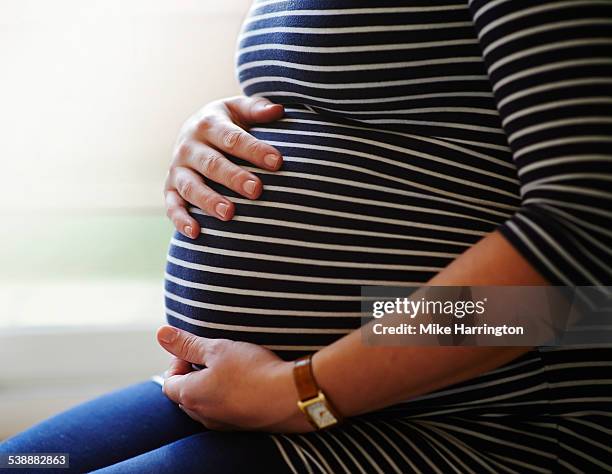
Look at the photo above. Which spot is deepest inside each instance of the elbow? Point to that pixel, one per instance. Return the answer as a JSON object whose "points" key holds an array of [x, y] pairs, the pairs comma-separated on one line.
{"points": [[569, 242]]}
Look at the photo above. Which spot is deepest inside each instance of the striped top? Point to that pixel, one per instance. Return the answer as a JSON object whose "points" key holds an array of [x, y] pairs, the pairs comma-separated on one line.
{"points": [[413, 128]]}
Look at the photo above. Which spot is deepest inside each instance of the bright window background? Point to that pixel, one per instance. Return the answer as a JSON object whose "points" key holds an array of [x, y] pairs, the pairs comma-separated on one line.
{"points": [[92, 93]]}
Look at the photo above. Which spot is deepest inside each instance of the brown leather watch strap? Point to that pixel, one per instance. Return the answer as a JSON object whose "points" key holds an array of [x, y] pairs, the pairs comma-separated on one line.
{"points": [[305, 382]]}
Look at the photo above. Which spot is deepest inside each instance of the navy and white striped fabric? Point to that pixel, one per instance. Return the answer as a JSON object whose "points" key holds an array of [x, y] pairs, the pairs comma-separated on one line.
{"points": [[414, 128]]}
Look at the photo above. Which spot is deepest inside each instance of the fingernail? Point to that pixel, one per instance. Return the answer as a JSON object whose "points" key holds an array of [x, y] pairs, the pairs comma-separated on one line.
{"points": [[249, 186], [188, 230], [167, 334], [221, 209], [271, 160]]}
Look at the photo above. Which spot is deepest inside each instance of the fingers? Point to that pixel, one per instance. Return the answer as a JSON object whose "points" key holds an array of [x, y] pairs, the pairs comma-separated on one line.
{"points": [[252, 110], [216, 167], [184, 345], [230, 138], [176, 210], [216, 129], [191, 188], [183, 185], [189, 390], [191, 414], [184, 390], [178, 367]]}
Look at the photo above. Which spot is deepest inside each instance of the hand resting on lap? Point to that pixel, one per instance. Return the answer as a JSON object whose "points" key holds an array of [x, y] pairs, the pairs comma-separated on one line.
{"points": [[242, 387]]}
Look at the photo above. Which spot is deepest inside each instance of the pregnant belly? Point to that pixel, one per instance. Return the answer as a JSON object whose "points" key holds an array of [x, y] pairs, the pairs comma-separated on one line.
{"points": [[352, 206]]}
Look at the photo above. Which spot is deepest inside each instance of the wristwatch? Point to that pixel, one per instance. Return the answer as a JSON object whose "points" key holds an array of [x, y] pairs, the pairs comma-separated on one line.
{"points": [[312, 401]]}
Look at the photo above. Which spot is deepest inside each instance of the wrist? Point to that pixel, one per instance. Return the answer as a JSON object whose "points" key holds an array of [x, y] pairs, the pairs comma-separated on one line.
{"points": [[287, 417], [340, 391]]}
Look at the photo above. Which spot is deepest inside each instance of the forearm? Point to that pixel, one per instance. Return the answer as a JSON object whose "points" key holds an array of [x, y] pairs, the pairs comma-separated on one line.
{"points": [[360, 378]]}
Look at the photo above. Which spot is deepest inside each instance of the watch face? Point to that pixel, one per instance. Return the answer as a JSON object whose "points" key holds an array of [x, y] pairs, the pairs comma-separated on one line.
{"points": [[321, 416]]}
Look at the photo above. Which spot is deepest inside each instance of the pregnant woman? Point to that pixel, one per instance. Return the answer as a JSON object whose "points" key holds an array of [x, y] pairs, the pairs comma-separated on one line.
{"points": [[378, 142]]}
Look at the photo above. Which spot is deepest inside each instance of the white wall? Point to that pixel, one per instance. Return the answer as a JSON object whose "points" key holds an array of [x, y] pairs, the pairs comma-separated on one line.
{"points": [[44, 372]]}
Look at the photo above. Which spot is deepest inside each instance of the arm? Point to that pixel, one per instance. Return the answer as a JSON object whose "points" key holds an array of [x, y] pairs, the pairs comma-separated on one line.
{"points": [[400, 373]]}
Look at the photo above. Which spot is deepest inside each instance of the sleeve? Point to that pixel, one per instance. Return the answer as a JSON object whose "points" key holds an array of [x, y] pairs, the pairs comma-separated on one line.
{"points": [[550, 66]]}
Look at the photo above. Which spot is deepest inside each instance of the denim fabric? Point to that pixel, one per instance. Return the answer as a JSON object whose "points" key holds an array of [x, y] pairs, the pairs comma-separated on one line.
{"points": [[139, 430]]}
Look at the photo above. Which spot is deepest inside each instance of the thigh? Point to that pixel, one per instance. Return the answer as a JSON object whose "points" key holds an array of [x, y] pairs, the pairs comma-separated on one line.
{"points": [[109, 429], [209, 452]]}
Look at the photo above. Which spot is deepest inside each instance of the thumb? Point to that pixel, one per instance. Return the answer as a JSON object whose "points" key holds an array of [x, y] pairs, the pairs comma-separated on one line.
{"points": [[182, 344]]}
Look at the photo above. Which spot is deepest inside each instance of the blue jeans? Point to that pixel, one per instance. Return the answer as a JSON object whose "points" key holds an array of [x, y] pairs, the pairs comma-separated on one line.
{"points": [[139, 430]]}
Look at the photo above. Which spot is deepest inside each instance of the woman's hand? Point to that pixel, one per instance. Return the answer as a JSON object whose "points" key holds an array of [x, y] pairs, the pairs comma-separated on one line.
{"points": [[243, 387], [218, 127]]}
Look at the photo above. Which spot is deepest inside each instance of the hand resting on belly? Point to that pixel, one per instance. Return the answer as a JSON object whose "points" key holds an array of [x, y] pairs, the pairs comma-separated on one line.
{"points": [[217, 128]]}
